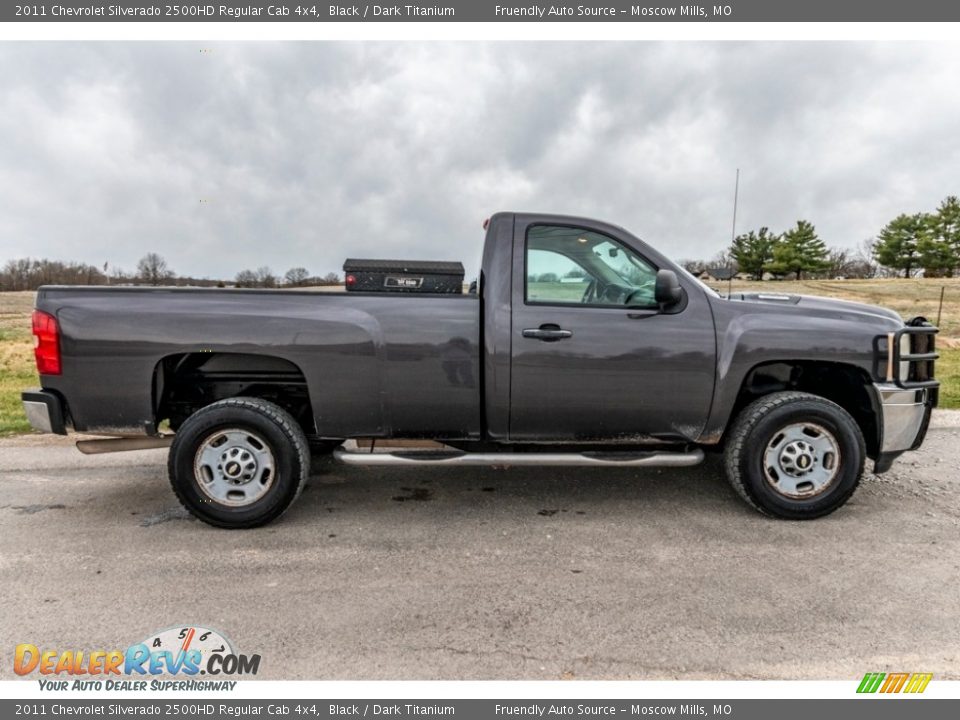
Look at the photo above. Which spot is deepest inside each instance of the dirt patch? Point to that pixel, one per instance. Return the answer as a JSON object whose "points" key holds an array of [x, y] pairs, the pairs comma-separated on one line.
{"points": [[419, 494]]}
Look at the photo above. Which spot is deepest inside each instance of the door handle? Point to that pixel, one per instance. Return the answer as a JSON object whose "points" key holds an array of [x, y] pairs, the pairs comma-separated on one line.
{"points": [[547, 333]]}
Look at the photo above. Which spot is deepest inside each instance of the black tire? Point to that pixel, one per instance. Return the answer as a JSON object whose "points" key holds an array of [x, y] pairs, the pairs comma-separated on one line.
{"points": [[277, 476], [779, 488]]}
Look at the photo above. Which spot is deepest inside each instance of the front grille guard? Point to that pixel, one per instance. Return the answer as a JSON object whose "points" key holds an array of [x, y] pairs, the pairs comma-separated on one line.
{"points": [[920, 359]]}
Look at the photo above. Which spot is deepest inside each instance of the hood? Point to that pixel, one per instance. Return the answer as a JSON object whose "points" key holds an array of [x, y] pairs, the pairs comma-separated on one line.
{"points": [[823, 306]]}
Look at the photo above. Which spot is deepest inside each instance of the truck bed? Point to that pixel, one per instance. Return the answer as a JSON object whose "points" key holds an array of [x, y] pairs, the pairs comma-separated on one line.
{"points": [[390, 364]]}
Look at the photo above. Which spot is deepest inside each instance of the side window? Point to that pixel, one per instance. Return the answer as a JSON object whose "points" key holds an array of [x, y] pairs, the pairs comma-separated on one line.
{"points": [[553, 278], [576, 266]]}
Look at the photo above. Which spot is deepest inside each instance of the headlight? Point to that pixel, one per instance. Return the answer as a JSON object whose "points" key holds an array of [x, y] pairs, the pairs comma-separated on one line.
{"points": [[904, 350]]}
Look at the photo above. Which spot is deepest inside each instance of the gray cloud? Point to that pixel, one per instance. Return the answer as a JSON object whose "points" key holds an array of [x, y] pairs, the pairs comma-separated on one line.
{"points": [[305, 153]]}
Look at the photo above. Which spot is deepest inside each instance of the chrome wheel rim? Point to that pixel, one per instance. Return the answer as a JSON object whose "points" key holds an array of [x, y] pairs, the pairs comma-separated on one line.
{"points": [[801, 460], [234, 467]]}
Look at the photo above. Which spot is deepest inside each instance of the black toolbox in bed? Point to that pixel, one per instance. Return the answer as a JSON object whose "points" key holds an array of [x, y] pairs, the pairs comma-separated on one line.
{"points": [[413, 276]]}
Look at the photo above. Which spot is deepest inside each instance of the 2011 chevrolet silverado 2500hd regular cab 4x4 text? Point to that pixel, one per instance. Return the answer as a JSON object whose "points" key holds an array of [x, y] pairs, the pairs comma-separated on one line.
{"points": [[581, 345]]}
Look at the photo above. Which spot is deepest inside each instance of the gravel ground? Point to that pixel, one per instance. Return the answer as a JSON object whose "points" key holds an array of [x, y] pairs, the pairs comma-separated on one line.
{"points": [[484, 574]]}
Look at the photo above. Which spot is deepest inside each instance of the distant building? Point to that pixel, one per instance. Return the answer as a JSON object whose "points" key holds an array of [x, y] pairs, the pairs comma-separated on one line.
{"points": [[718, 274]]}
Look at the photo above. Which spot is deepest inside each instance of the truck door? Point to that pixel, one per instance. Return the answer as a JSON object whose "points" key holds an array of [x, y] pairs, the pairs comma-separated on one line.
{"points": [[592, 356]]}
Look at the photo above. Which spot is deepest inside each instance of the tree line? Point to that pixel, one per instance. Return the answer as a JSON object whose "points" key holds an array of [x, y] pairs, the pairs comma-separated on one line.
{"points": [[927, 241], [907, 244], [263, 277], [152, 269]]}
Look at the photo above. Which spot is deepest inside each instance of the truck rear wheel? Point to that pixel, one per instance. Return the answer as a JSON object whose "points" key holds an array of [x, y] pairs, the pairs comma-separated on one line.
{"points": [[239, 463], [794, 455]]}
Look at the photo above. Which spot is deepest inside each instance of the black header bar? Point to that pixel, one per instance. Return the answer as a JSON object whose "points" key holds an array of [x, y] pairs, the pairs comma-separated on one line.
{"points": [[484, 11], [212, 707]]}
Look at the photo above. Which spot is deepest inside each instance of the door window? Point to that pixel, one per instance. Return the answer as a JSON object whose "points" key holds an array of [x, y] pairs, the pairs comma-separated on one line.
{"points": [[575, 266]]}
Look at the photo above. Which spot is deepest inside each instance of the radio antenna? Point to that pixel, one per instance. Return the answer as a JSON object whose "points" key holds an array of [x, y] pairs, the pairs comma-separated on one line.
{"points": [[733, 230]]}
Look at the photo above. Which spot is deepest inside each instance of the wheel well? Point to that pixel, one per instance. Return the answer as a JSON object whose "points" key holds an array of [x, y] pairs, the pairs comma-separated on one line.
{"points": [[846, 385], [186, 382]]}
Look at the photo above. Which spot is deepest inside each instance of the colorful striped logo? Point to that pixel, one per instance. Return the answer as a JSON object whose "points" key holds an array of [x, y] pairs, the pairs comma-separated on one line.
{"points": [[894, 682]]}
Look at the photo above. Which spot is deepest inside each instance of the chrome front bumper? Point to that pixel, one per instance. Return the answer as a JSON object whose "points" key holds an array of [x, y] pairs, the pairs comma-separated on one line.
{"points": [[904, 417]]}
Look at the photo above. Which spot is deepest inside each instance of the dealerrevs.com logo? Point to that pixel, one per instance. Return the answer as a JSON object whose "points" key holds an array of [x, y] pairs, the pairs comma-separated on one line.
{"points": [[186, 651]]}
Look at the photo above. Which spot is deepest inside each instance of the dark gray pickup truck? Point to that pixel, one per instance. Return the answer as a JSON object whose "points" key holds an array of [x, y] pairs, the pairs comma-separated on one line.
{"points": [[580, 345]]}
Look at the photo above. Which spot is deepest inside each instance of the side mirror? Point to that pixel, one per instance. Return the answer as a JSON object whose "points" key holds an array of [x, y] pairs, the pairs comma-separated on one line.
{"points": [[667, 290]]}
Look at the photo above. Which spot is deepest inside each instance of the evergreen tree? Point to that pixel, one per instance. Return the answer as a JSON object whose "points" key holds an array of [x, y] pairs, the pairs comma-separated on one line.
{"points": [[800, 250], [897, 245], [754, 251], [935, 254], [940, 246]]}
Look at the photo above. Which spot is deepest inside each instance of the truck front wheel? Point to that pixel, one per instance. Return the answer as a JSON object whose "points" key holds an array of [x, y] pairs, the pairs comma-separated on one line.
{"points": [[794, 455], [239, 463]]}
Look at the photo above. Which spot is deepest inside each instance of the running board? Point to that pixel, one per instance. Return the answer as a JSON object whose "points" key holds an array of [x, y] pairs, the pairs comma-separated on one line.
{"points": [[123, 444], [465, 459]]}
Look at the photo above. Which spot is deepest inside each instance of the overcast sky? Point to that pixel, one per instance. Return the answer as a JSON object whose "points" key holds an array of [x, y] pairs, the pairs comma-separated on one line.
{"points": [[250, 154]]}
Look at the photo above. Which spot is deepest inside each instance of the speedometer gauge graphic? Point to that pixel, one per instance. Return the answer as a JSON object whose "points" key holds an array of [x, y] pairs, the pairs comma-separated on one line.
{"points": [[181, 639]]}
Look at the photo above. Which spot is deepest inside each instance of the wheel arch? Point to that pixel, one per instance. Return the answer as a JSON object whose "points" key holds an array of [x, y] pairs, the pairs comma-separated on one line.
{"points": [[849, 386], [186, 382]]}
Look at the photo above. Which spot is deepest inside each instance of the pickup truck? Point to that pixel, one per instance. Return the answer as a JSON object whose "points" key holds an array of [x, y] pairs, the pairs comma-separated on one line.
{"points": [[580, 345]]}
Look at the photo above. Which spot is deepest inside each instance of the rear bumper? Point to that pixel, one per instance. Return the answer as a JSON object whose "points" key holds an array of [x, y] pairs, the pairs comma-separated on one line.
{"points": [[904, 418], [45, 412]]}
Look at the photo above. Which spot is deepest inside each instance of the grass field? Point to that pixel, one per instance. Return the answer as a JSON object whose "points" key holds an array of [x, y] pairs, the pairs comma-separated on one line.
{"points": [[16, 359], [908, 297]]}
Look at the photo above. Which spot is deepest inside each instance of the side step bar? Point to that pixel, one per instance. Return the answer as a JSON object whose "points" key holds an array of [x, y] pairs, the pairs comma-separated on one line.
{"points": [[123, 444], [465, 459]]}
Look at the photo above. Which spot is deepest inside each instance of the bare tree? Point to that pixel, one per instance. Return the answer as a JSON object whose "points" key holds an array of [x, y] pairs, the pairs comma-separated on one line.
{"points": [[29, 274], [694, 267], [153, 269], [724, 259], [296, 276], [246, 279], [864, 264], [330, 278], [838, 263], [17, 274], [265, 277]]}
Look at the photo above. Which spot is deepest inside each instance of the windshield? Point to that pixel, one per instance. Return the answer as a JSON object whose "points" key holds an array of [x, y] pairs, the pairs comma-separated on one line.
{"points": [[625, 264]]}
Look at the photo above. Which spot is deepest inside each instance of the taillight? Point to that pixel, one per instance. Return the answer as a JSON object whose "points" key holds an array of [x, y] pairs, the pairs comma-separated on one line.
{"points": [[46, 343], [350, 280]]}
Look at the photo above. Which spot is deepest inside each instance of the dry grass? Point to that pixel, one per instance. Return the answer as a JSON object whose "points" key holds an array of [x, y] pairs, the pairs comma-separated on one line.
{"points": [[908, 297], [16, 359]]}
